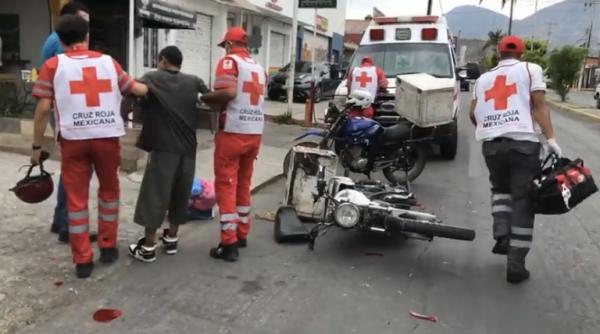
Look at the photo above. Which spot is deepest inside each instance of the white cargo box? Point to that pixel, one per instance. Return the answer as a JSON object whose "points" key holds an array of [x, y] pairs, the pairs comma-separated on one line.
{"points": [[302, 179], [424, 99]]}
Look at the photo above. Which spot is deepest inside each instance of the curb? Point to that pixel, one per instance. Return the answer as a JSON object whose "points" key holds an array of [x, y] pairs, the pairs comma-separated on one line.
{"points": [[272, 119], [561, 107], [266, 183]]}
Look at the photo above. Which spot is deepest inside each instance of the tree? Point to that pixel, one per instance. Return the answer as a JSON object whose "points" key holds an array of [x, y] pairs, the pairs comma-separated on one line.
{"points": [[535, 52], [494, 38], [564, 65]]}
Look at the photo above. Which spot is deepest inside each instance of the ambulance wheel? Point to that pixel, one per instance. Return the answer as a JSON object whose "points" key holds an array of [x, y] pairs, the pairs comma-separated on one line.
{"points": [[449, 145], [288, 156]]}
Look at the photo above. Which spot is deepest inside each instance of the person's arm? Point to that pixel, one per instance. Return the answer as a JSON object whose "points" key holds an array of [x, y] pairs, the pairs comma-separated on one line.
{"points": [[541, 113], [40, 121], [349, 81], [202, 88], [128, 85], [382, 81], [472, 112], [225, 88]]}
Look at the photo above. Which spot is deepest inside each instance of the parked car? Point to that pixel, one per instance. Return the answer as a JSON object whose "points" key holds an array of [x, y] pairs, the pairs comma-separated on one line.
{"points": [[328, 77], [597, 96]]}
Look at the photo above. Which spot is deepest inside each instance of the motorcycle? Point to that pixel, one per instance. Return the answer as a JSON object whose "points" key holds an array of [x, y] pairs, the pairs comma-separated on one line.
{"points": [[365, 146], [373, 206]]}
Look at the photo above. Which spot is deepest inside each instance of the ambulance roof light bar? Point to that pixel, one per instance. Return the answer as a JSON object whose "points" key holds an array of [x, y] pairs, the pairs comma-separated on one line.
{"points": [[382, 20]]}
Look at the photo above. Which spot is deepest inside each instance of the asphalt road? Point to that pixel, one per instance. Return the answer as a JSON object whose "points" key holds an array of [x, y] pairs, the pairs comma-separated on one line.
{"points": [[582, 98], [338, 289]]}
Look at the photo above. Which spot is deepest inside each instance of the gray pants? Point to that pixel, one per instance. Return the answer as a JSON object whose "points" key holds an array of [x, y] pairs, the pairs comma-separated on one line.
{"points": [[512, 165], [166, 186]]}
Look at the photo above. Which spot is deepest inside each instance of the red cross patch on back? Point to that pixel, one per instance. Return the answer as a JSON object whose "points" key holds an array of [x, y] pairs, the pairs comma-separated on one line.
{"points": [[500, 92], [90, 86]]}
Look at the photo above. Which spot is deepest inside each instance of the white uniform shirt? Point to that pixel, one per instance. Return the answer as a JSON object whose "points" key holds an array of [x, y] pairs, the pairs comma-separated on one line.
{"points": [[534, 82]]}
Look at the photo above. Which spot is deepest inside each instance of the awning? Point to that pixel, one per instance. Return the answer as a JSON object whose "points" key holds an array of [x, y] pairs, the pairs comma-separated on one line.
{"points": [[163, 15], [241, 4]]}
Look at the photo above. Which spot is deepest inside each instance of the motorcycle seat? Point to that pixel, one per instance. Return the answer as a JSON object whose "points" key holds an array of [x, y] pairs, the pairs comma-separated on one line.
{"points": [[396, 133]]}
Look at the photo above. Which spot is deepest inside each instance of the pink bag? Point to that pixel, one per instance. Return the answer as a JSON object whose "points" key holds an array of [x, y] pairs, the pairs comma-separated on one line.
{"points": [[207, 199]]}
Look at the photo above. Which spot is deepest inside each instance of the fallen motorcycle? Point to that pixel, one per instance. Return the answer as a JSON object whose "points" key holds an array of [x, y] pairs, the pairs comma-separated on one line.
{"points": [[316, 193], [374, 206]]}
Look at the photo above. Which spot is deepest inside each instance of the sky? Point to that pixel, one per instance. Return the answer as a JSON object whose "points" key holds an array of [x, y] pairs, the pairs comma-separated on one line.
{"points": [[358, 9]]}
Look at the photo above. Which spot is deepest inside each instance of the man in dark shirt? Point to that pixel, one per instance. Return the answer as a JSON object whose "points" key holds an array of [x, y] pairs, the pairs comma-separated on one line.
{"points": [[169, 117]]}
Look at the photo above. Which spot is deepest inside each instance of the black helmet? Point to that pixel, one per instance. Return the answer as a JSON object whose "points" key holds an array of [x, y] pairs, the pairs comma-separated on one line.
{"points": [[35, 189]]}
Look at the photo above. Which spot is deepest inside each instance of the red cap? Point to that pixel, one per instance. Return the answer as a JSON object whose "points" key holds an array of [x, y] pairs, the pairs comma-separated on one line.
{"points": [[367, 59], [511, 44], [235, 34]]}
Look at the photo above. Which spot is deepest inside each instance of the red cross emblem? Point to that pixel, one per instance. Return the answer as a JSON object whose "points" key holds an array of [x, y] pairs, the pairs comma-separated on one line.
{"points": [[364, 79], [500, 93], [91, 87], [254, 88]]}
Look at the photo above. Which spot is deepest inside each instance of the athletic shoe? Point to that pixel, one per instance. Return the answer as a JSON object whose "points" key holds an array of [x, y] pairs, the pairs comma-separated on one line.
{"points": [[169, 244], [109, 255], [84, 270], [142, 253], [242, 243], [227, 253]]}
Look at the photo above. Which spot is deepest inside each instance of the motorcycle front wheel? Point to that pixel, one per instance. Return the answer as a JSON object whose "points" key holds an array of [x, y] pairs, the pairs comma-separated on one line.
{"points": [[414, 163]]}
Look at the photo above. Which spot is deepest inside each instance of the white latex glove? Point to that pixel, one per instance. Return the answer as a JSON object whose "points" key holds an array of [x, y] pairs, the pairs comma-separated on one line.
{"points": [[554, 148]]}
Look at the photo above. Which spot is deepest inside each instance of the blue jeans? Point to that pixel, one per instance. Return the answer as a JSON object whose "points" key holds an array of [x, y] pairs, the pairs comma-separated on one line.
{"points": [[61, 221]]}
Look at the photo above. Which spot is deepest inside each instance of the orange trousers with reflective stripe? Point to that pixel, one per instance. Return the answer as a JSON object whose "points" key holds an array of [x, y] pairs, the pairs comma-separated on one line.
{"points": [[233, 163], [78, 157]]}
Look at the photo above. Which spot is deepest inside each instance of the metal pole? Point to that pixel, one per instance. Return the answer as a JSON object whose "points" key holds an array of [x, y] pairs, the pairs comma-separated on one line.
{"points": [[292, 71], [429, 7], [534, 21], [510, 20], [131, 46]]}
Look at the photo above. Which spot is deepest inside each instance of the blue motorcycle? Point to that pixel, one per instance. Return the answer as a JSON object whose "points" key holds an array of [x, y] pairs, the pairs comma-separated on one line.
{"points": [[365, 146]]}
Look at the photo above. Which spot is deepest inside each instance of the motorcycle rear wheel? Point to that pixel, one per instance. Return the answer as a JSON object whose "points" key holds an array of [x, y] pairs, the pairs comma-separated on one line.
{"points": [[418, 160]]}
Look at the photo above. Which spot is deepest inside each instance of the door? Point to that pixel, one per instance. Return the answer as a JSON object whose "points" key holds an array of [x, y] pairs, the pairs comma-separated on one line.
{"points": [[196, 46], [329, 81], [277, 53]]}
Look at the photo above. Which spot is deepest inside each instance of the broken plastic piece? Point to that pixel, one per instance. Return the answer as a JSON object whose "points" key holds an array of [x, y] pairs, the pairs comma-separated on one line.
{"points": [[373, 254], [107, 314], [417, 315]]}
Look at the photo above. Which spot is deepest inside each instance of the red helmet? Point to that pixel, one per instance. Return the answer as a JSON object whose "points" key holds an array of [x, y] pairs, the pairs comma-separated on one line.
{"points": [[34, 189]]}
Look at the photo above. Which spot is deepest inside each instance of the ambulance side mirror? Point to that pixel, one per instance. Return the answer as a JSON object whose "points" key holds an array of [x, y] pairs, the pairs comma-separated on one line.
{"points": [[462, 74]]}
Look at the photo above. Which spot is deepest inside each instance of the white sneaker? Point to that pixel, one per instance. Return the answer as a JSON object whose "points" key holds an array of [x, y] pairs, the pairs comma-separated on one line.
{"points": [[142, 253]]}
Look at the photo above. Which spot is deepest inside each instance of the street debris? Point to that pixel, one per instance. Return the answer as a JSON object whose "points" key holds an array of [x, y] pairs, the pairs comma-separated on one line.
{"points": [[399, 292], [75, 292], [373, 254], [265, 215], [366, 285], [58, 283], [107, 314], [410, 275], [417, 315]]}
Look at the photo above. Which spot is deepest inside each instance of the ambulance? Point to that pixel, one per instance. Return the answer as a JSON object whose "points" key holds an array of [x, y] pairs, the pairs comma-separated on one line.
{"points": [[411, 45]]}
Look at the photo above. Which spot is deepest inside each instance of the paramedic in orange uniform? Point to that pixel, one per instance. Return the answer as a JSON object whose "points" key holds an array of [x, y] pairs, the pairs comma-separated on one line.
{"points": [[239, 94], [367, 77], [86, 87]]}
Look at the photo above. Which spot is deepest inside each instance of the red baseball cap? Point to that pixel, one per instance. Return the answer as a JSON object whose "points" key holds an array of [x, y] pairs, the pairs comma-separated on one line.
{"points": [[367, 59], [511, 44], [235, 34]]}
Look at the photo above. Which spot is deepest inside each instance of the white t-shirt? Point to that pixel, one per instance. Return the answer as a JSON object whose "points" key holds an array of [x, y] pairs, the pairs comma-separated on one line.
{"points": [[537, 84]]}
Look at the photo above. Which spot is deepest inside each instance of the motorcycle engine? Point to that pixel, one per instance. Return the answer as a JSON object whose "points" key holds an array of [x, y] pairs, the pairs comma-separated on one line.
{"points": [[355, 157]]}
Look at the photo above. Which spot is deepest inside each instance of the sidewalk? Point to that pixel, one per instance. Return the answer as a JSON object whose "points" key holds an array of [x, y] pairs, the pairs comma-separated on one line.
{"points": [[278, 108], [36, 270], [572, 107]]}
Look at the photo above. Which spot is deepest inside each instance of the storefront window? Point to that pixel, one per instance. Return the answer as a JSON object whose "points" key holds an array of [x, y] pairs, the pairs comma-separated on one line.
{"points": [[150, 47]]}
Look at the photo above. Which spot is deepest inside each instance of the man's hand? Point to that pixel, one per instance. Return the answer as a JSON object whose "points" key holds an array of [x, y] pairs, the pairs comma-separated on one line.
{"points": [[554, 147], [35, 156]]}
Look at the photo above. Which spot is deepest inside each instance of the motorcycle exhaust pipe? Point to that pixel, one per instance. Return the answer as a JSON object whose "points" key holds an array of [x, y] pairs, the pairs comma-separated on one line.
{"points": [[430, 229]]}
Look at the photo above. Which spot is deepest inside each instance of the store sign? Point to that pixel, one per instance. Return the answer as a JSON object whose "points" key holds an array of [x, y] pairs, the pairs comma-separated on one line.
{"points": [[318, 4], [273, 4], [165, 13], [322, 23]]}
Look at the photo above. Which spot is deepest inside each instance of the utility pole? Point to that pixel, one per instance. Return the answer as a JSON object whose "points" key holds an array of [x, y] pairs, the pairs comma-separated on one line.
{"points": [[510, 21], [533, 33], [550, 25], [592, 5], [429, 6], [292, 71]]}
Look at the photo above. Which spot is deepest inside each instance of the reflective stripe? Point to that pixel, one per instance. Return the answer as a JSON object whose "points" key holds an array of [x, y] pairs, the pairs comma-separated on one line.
{"points": [[521, 230], [41, 92], [497, 197], [127, 86], [78, 229], [108, 205], [501, 208], [227, 217], [108, 218], [243, 209], [228, 226], [44, 83], [244, 220], [78, 215], [520, 243]]}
